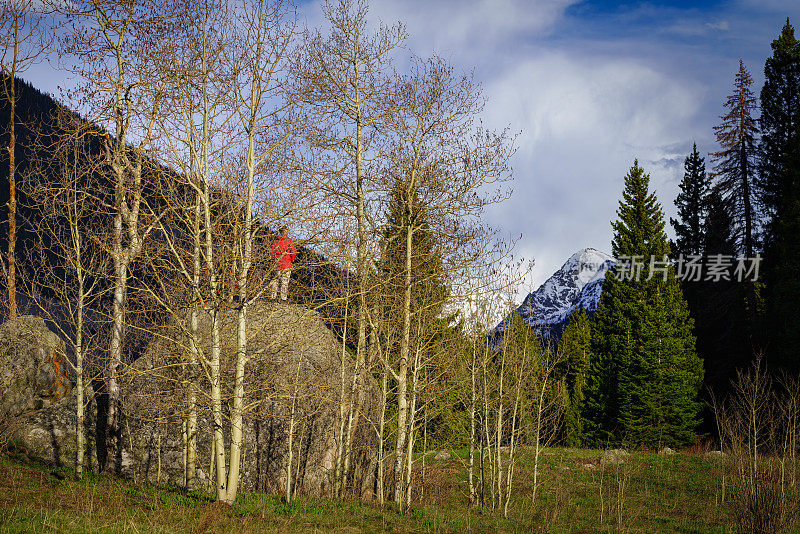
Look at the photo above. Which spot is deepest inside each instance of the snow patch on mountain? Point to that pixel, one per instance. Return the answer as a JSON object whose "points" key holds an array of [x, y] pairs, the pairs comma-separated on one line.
{"points": [[578, 283]]}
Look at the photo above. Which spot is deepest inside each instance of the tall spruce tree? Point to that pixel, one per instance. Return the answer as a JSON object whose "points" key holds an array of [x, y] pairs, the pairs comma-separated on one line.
{"points": [[428, 293], [779, 185], [691, 203], [720, 308], [783, 290], [780, 127], [735, 162], [689, 227], [645, 375]]}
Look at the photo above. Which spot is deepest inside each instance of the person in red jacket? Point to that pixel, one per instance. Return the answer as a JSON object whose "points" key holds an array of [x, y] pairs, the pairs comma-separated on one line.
{"points": [[283, 252]]}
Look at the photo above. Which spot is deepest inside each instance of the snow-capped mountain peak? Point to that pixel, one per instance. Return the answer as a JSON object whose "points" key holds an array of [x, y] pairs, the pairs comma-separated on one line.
{"points": [[577, 283]]}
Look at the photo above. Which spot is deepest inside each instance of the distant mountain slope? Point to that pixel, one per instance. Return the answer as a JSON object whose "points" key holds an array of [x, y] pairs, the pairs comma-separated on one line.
{"points": [[578, 283], [316, 281]]}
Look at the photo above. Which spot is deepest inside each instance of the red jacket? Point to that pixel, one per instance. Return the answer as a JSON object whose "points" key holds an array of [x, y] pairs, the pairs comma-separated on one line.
{"points": [[283, 252]]}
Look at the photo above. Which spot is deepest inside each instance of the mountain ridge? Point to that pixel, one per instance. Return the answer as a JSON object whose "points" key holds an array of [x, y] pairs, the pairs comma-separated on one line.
{"points": [[577, 284]]}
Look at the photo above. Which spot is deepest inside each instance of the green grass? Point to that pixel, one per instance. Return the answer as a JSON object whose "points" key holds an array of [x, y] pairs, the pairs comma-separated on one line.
{"points": [[647, 493]]}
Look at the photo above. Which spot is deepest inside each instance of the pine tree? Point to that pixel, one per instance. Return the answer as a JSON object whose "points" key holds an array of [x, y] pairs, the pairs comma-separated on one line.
{"points": [[780, 196], [720, 307], [691, 203], [575, 346], [718, 227], [645, 375], [428, 292], [780, 126], [735, 162], [784, 290]]}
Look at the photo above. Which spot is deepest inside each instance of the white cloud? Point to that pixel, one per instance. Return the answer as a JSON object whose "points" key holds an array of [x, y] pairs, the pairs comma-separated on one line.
{"points": [[583, 121], [721, 25], [473, 34], [474, 31], [557, 96]]}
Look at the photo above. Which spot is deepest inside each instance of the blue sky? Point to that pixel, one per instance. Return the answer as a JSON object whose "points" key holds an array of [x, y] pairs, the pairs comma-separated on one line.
{"points": [[589, 86]]}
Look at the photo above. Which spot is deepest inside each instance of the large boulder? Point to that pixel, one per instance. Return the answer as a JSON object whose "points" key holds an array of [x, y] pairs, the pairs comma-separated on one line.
{"points": [[31, 366], [37, 404], [294, 360]]}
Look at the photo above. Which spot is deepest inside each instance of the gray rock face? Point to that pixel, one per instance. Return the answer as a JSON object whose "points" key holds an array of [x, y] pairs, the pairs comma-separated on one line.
{"points": [[48, 435], [37, 404], [293, 359], [31, 367]]}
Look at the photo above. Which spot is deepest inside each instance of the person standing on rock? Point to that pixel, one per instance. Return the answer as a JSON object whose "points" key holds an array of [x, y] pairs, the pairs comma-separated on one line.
{"points": [[283, 252]]}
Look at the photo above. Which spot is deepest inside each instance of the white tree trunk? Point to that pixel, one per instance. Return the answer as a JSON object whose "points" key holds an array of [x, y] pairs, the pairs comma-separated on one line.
{"points": [[499, 433], [402, 375], [411, 427], [113, 443], [290, 433], [337, 478], [472, 422], [80, 437], [538, 437], [381, 434]]}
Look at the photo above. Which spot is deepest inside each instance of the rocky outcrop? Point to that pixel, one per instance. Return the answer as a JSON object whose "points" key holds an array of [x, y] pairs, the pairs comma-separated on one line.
{"points": [[292, 358], [31, 367], [37, 405], [614, 457]]}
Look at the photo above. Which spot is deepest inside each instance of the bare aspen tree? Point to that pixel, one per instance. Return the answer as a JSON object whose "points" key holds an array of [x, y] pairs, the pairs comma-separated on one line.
{"points": [[486, 303], [497, 484], [415, 374], [480, 327], [113, 44], [381, 329], [343, 395], [444, 163], [547, 410], [70, 262], [265, 36], [479, 307], [195, 128], [754, 422], [790, 412], [292, 423], [435, 340], [518, 394], [196, 135], [514, 351], [25, 36], [228, 145], [476, 329], [343, 80], [487, 460], [532, 371]]}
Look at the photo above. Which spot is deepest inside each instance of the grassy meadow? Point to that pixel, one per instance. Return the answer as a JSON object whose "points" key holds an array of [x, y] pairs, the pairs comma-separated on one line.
{"points": [[648, 492]]}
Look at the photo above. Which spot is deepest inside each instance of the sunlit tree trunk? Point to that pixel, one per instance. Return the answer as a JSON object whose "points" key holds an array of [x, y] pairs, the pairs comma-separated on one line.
{"points": [[472, 417], [402, 372], [411, 426]]}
